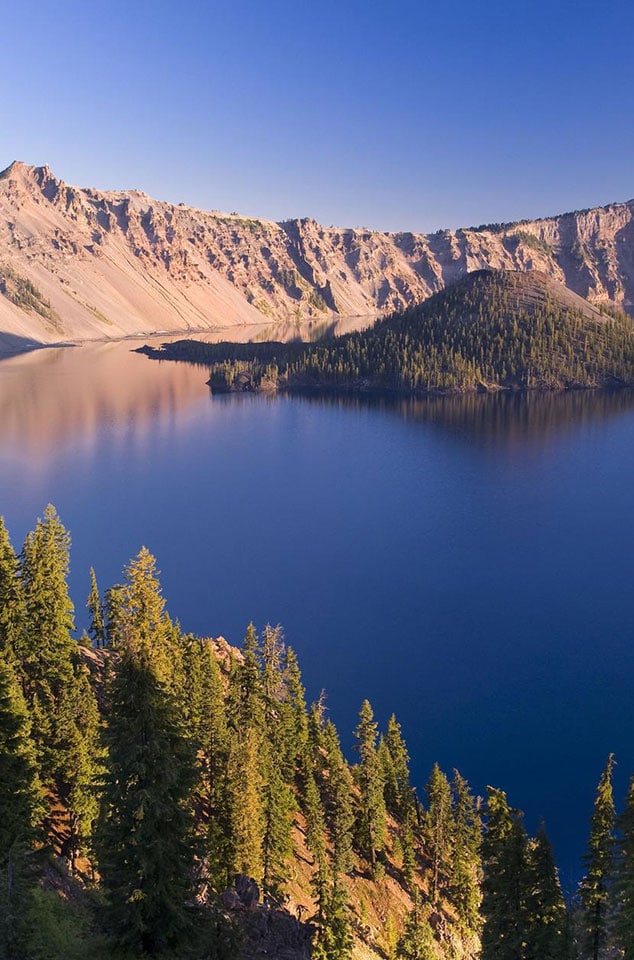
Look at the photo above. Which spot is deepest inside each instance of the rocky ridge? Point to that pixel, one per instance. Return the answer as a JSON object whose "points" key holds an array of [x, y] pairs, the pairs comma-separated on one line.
{"points": [[81, 264]]}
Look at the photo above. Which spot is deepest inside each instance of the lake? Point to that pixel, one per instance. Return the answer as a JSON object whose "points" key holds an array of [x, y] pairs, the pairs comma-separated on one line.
{"points": [[464, 562]]}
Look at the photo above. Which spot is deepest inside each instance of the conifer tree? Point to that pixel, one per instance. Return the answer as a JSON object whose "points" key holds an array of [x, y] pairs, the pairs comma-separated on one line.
{"points": [[417, 942], [294, 721], [21, 810], [245, 790], [439, 831], [398, 787], [504, 856], [273, 652], [277, 841], [316, 842], [80, 767], [338, 790], [371, 815], [146, 831], [465, 873], [47, 652], [596, 885], [547, 935], [140, 618], [12, 610], [112, 605], [625, 877], [61, 701], [247, 690], [203, 707], [399, 794], [335, 942], [97, 625]]}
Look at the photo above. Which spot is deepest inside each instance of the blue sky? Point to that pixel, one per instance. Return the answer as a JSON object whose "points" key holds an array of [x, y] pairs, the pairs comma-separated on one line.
{"points": [[408, 115]]}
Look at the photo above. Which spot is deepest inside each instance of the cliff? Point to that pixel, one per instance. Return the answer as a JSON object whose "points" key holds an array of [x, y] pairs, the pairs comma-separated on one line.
{"points": [[79, 263]]}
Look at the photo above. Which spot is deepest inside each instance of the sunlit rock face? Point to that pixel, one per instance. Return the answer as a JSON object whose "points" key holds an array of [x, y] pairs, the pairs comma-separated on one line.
{"points": [[85, 264]]}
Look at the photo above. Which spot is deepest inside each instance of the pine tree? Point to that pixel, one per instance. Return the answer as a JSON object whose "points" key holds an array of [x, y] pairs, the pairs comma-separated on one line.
{"points": [[61, 701], [79, 768], [465, 873], [203, 708], [398, 787], [504, 857], [277, 842], [12, 611], [439, 831], [417, 942], [247, 689], [146, 832], [294, 721], [625, 877], [316, 842], [47, 652], [399, 794], [335, 942], [97, 625], [140, 620], [371, 816], [245, 790], [338, 791], [21, 810], [548, 929], [597, 883]]}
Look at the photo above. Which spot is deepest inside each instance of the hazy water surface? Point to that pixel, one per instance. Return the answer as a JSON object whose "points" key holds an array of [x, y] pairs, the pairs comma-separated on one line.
{"points": [[467, 563]]}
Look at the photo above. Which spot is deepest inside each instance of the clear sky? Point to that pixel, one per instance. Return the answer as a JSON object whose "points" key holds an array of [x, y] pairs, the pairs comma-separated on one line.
{"points": [[407, 115]]}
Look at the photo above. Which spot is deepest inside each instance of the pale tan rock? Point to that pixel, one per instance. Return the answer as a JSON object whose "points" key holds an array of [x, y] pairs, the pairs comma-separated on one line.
{"points": [[116, 264]]}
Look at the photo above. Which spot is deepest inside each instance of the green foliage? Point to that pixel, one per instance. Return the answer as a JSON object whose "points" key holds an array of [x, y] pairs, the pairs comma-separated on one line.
{"points": [[417, 942], [535, 243], [21, 810], [439, 832], [465, 870], [58, 693], [335, 937], [24, 294], [58, 929], [482, 332], [145, 836], [140, 623], [625, 877], [548, 929], [12, 610], [97, 626], [595, 890], [371, 813], [504, 854]]}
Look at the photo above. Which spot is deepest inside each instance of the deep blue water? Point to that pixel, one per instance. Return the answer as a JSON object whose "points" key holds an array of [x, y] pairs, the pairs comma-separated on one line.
{"points": [[465, 563]]}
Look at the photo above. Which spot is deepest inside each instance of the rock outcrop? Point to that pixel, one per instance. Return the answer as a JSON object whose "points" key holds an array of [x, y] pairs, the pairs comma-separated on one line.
{"points": [[81, 264]]}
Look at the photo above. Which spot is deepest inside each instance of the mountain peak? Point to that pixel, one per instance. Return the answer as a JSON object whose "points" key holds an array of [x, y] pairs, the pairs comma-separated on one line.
{"points": [[19, 171]]}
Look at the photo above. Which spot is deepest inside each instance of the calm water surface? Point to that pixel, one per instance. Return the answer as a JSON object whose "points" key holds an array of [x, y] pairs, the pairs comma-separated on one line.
{"points": [[467, 563]]}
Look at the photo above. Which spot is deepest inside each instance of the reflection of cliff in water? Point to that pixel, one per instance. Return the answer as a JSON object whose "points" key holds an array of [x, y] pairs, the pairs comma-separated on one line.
{"points": [[504, 418], [50, 397]]}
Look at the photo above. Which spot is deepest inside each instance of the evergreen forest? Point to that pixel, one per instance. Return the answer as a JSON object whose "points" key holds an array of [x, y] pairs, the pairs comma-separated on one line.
{"points": [[491, 330], [149, 777]]}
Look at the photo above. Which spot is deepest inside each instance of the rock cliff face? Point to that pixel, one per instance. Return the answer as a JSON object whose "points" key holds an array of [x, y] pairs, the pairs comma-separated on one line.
{"points": [[83, 264]]}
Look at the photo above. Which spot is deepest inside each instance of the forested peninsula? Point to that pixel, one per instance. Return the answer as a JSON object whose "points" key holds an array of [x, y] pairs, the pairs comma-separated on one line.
{"points": [[492, 330], [167, 795]]}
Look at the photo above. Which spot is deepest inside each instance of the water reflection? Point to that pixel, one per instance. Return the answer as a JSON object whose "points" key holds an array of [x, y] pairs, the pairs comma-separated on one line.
{"points": [[501, 419], [51, 397]]}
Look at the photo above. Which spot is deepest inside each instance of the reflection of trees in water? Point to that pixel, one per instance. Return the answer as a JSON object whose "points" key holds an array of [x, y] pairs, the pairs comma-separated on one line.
{"points": [[504, 417]]}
